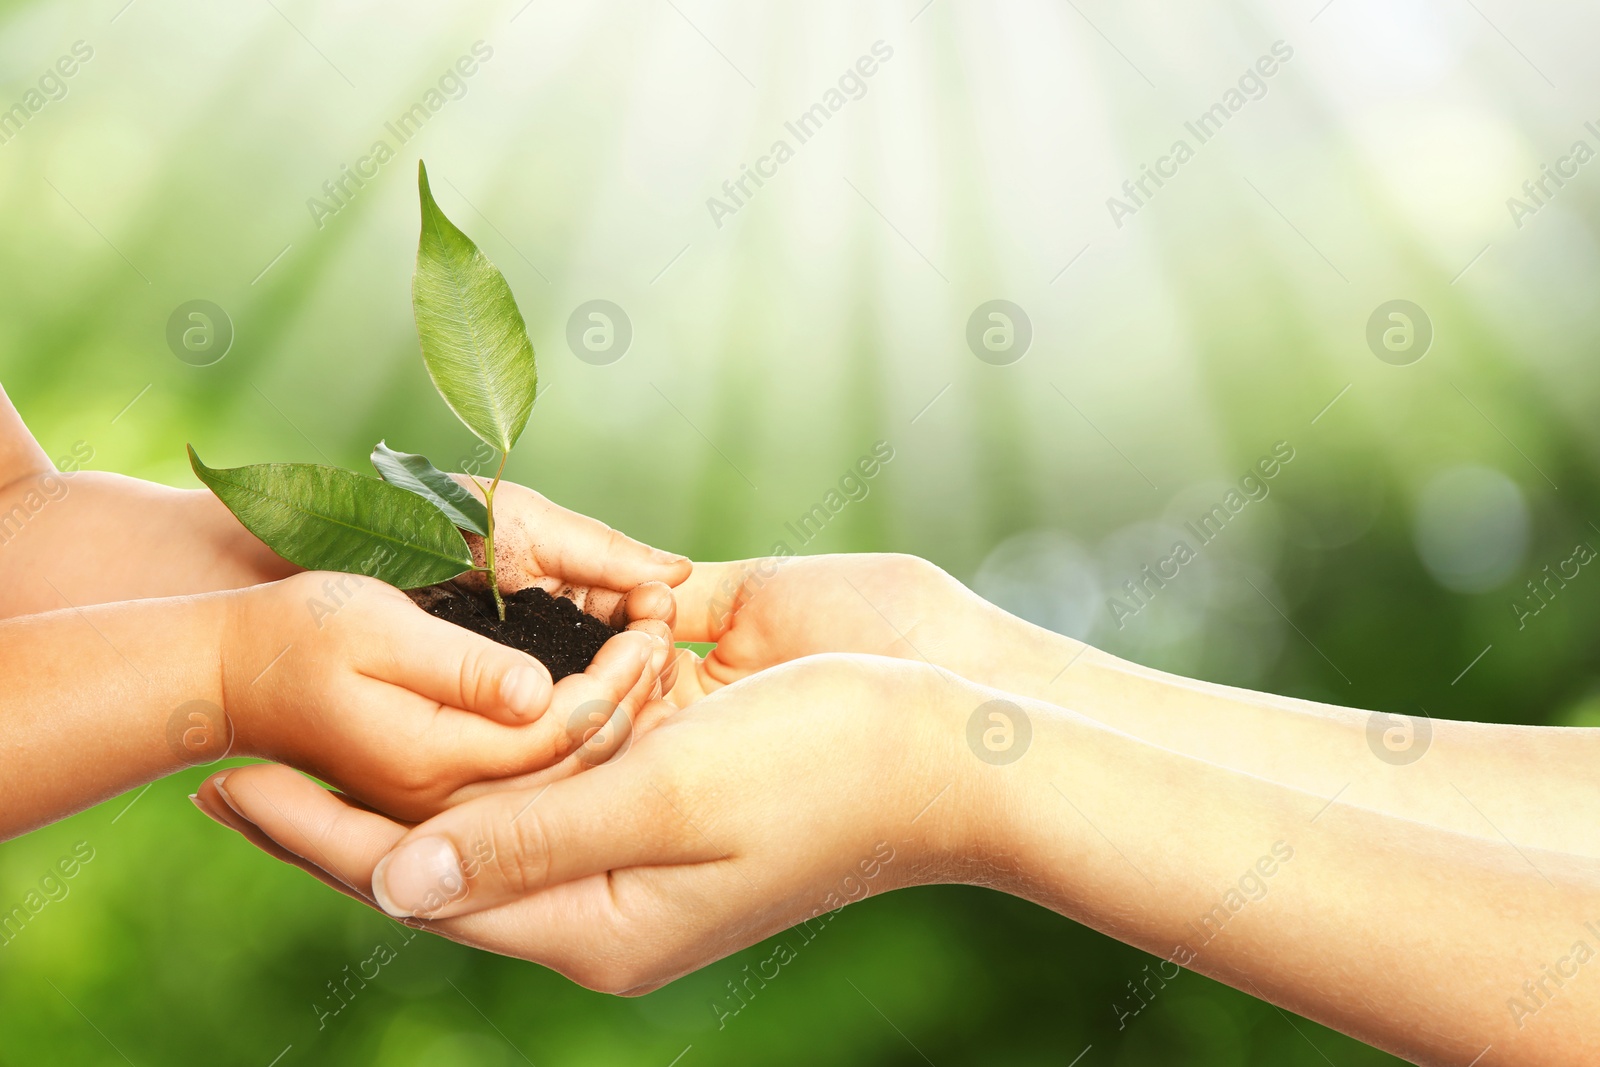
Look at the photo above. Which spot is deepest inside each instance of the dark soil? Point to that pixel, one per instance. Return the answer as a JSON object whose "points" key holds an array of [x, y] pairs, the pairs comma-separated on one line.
{"points": [[550, 629]]}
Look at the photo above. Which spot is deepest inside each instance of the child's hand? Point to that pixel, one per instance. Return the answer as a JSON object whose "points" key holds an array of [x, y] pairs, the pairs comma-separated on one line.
{"points": [[622, 582], [402, 710]]}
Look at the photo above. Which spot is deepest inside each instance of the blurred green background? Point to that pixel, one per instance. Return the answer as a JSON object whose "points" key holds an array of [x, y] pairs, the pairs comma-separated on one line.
{"points": [[1226, 313]]}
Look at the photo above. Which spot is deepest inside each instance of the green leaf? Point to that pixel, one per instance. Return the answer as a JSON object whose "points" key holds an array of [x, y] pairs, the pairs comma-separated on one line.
{"points": [[474, 341], [415, 474], [327, 518]]}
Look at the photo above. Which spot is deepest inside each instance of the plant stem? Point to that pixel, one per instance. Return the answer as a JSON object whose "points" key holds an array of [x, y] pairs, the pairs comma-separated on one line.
{"points": [[488, 538]]}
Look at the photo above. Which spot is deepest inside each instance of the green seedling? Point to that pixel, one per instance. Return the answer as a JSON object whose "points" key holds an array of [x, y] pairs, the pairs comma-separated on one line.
{"points": [[405, 529]]}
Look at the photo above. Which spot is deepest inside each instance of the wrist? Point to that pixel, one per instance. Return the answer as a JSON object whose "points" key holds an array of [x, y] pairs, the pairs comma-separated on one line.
{"points": [[1007, 653], [198, 729], [957, 806], [248, 651]]}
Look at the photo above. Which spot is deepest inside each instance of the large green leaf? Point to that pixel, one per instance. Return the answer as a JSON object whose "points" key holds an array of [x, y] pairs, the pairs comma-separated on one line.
{"points": [[474, 341], [327, 518], [414, 473]]}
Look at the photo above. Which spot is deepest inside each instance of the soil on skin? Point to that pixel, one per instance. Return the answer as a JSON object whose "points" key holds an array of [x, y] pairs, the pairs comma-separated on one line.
{"points": [[550, 629]]}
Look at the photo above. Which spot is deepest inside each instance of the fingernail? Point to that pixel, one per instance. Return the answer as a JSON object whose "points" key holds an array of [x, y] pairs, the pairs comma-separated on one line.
{"points": [[523, 690], [218, 784], [418, 878], [660, 555], [194, 799]]}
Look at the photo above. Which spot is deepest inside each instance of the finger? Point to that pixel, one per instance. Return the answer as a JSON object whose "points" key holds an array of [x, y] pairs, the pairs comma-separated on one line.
{"points": [[292, 819], [585, 551], [313, 823], [602, 731], [604, 604], [616, 608], [504, 846], [625, 663], [667, 672], [589, 722], [213, 803], [714, 593], [452, 665], [690, 681], [604, 737], [695, 618], [652, 600], [654, 714]]}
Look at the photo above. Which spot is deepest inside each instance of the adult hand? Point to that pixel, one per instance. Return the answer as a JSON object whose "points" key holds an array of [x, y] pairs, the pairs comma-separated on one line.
{"points": [[769, 803], [763, 612], [774, 800]]}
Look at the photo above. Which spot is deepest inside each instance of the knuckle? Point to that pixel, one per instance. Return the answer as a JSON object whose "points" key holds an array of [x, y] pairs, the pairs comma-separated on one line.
{"points": [[904, 567], [543, 743], [418, 776], [554, 745], [522, 854], [617, 543], [478, 677]]}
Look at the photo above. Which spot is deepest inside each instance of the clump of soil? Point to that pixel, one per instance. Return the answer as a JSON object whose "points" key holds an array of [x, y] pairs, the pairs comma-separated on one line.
{"points": [[553, 630]]}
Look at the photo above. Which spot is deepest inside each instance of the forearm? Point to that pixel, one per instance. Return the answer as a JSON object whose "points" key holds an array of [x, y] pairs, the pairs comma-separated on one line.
{"points": [[1533, 786], [94, 538], [90, 706], [1407, 936]]}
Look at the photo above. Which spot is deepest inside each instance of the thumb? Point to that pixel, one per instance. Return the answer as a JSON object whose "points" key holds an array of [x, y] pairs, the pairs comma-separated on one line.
{"points": [[504, 846], [447, 663], [713, 594]]}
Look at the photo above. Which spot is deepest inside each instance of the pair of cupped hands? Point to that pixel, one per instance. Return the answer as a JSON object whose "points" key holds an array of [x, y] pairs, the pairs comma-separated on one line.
{"points": [[629, 824]]}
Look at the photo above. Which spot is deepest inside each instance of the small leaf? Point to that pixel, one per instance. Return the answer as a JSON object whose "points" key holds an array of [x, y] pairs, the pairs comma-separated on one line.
{"points": [[415, 474], [327, 518], [474, 341]]}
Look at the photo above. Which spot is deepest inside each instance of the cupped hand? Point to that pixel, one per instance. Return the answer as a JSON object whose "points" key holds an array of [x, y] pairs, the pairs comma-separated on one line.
{"points": [[772, 802], [763, 612], [346, 678], [539, 544]]}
